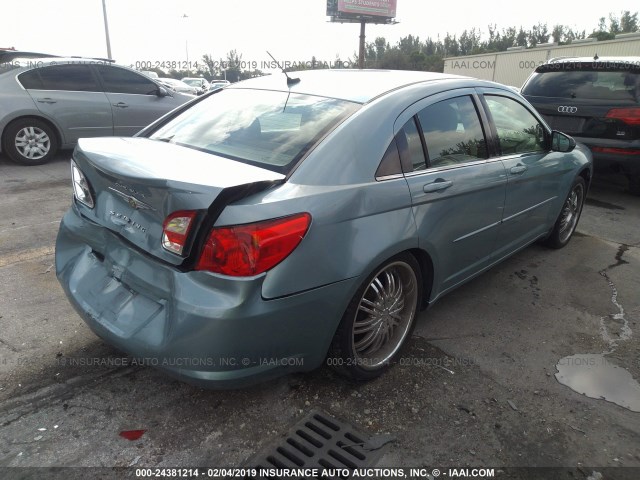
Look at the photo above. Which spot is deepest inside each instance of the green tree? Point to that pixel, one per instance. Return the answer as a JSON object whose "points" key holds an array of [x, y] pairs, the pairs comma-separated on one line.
{"points": [[628, 22], [212, 66]]}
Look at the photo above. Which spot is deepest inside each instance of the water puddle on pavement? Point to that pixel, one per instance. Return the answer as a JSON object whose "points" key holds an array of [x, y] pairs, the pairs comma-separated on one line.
{"points": [[591, 374]]}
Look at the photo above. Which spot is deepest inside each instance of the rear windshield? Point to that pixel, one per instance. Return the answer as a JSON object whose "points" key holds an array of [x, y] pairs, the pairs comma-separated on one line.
{"points": [[269, 129], [594, 85]]}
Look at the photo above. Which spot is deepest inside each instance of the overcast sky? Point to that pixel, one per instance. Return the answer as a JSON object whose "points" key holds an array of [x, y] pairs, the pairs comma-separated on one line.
{"points": [[155, 30]]}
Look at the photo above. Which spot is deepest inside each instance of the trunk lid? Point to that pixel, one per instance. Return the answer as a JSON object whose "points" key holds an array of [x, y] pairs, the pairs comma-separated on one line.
{"points": [[137, 183]]}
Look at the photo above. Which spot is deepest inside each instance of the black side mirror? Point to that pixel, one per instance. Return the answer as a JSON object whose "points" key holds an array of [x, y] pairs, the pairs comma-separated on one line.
{"points": [[561, 142]]}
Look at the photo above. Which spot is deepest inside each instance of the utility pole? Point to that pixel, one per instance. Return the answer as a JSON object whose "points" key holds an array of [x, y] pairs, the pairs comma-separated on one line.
{"points": [[361, 54], [106, 29]]}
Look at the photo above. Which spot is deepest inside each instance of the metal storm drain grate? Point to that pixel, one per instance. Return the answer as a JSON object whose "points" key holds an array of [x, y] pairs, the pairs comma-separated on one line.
{"points": [[321, 442]]}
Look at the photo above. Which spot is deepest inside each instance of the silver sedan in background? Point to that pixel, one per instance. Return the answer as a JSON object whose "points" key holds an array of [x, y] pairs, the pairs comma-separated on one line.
{"points": [[49, 103]]}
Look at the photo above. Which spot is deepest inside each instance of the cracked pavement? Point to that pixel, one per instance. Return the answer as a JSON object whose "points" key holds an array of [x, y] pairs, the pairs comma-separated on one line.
{"points": [[475, 386]]}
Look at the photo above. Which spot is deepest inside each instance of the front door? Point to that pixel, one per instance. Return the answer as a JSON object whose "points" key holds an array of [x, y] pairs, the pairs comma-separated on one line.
{"points": [[534, 173]]}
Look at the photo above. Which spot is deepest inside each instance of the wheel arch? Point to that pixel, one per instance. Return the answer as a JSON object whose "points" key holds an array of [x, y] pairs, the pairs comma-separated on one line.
{"points": [[427, 270], [40, 118], [585, 173]]}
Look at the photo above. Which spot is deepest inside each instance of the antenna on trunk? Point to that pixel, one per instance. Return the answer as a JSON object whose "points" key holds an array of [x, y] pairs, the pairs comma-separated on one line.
{"points": [[290, 81]]}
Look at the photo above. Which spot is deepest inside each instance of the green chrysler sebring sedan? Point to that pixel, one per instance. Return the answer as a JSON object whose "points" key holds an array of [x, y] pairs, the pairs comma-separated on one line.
{"points": [[279, 222]]}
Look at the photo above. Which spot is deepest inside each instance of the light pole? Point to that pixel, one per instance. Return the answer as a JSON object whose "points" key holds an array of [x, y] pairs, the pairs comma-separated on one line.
{"points": [[186, 40], [106, 29]]}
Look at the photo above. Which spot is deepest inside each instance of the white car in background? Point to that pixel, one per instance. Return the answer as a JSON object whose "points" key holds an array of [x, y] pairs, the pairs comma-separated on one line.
{"points": [[215, 84], [178, 85], [149, 74], [199, 83]]}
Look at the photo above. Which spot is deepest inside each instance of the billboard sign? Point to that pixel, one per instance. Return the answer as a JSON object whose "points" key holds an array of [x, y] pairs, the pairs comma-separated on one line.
{"points": [[361, 8]]}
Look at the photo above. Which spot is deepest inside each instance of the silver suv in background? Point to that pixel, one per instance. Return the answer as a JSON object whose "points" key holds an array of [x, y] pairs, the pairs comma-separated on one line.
{"points": [[49, 103]]}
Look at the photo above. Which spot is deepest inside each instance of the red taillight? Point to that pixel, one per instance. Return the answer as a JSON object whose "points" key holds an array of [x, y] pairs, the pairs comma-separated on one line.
{"points": [[175, 230], [247, 250], [619, 151], [630, 116]]}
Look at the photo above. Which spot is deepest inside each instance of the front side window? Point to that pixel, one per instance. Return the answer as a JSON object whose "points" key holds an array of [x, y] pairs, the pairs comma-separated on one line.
{"points": [[452, 132], [74, 78], [518, 130], [119, 80], [270, 129]]}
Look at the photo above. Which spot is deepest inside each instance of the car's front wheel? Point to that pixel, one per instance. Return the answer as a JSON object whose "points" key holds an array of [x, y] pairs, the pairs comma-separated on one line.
{"points": [[378, 320], [30, 141], [569, 215]]}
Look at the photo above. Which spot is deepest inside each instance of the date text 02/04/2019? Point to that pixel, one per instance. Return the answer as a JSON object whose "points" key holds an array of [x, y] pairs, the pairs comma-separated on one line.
{"points": [[312, 472], [239, 64]]}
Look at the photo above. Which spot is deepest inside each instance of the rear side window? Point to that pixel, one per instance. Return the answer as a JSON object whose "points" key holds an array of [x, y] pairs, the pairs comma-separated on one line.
{"points": [[452, 132], [390, 164], [410, 147], [75, 78], [30, 80], [595, 85], [119, 80]]}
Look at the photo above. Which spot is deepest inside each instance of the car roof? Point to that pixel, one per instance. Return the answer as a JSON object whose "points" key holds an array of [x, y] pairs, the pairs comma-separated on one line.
{"points": [[10, 55], [360, 86], [38, 61], [629, 59]]}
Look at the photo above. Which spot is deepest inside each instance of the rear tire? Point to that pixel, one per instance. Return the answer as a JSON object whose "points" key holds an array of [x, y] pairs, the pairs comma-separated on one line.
{"points": [[29, 141], [569, 215], [378, 320]]}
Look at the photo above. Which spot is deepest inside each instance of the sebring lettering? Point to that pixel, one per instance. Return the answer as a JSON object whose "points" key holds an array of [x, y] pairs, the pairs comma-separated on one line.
{"points": [[128, 221]]}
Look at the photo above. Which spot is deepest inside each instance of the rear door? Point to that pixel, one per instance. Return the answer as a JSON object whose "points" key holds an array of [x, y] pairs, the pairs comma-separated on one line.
{"points": [[534, 173], [134, 99], [70, 95], [457, 193]]}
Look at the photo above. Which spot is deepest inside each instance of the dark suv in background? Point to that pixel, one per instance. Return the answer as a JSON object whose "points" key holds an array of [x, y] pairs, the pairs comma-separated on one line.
{"points": [[597, 101]]}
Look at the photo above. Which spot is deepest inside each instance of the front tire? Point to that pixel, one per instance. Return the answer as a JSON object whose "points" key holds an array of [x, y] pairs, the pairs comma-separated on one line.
{"points": [[569, 215], [29, 141], [378, 320]]}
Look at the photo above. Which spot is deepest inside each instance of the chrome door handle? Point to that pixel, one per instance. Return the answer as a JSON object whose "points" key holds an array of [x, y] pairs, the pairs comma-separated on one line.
{"points": [[436, 186], [518, 169], [47, 100], [120, 105]]}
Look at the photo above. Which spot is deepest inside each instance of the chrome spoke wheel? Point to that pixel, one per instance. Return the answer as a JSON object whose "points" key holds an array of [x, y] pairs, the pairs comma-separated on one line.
{"points": [[384, 315], [571, 212], [32, 143]]}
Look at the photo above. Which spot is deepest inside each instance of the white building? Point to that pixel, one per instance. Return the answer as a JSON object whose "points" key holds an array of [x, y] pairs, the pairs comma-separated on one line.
{"points": [[515, 65]]}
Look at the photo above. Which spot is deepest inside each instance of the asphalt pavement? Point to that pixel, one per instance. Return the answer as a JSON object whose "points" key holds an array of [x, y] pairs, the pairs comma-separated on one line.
{"points": [[477, 384]]}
